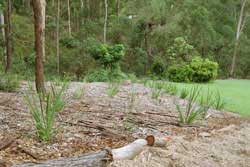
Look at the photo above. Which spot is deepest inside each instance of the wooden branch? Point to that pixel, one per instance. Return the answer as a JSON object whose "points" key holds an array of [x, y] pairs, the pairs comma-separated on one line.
{"points": [[98, 159], [101, 158], [6, 143]]}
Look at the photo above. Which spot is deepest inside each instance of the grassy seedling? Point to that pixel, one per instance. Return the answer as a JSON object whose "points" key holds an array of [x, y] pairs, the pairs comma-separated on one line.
{"points": [[206, 102], [44, 108], [112, 90], [79, 93], [156, 89], [219, 102], [9, 82], [170, 88], [184, 93], [191, 112]]}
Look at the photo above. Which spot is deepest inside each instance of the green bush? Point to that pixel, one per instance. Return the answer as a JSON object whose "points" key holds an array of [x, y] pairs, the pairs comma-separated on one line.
{"points": [[158, 67], [9, 82], [198, 70], [107, 55], [105, 75]]}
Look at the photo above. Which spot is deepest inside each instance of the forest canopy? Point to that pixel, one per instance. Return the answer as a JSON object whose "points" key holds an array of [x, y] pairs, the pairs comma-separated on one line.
{"points": [[167, 31]]}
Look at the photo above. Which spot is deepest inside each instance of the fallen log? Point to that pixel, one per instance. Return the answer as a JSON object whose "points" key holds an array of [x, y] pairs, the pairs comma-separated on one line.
{"points": [[101, 158], [98, 159]]}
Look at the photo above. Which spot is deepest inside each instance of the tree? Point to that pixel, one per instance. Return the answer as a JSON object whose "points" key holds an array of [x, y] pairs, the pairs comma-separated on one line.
{"points": [[105, 22], [240, 27], [8, 35], [2, 27], [39, 21], [69, 22], [57, 36]]}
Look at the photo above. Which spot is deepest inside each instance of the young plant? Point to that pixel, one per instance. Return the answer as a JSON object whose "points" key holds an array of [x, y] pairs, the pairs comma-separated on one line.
{"points": [[191, 112], [219, 102], [206, 102], [184, 93], [9, 82], [43, 109], [79, 93], [112, 90], [156, 88], [171, 89]]}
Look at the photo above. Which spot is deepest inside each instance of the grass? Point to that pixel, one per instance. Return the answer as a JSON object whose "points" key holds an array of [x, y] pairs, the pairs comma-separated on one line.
{"points": [[235, 93]]}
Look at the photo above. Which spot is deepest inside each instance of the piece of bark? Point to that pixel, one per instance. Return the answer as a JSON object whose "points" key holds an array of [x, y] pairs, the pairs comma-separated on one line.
{"points": [[97, 159], [6, 143]]}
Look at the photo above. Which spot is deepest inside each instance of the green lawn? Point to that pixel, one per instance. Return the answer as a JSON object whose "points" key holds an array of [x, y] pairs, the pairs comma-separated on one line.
{"points": [[236, 93]]}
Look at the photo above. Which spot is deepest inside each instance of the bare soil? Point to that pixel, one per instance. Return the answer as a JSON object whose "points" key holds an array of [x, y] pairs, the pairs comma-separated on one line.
{"points": [[96, 121]]}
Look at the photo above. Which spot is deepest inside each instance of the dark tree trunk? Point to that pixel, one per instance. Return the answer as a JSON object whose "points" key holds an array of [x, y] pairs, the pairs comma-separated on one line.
{"points": [[38, 6], [8, 39]]}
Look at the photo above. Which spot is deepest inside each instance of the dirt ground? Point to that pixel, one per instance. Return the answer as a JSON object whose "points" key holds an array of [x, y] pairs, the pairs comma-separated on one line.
{"points": [[96, 121]]}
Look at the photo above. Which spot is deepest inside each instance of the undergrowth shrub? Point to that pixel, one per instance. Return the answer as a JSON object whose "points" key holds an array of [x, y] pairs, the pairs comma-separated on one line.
{"points": [[9, 82], [105, 75], [44, 108], [198, 70]]}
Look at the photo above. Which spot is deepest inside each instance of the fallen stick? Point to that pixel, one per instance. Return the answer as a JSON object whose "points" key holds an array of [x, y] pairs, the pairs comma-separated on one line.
{"points": [[6, 143], [101, 158]]}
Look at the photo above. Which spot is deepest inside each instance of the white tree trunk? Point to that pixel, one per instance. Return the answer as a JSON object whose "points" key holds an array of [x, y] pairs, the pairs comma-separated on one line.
{"points": [[105, 22], [3, 33], [69, 21], [240, 28], [57, 36], [43, 2]]}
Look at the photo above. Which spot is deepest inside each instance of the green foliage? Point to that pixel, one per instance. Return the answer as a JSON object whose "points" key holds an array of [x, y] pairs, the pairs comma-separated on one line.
{"points": [[203, 70], [219, 102], [79, 93], [191, 112], [180, 51], [206, 102], [100, 75], [43, 109], [9, 82], [112, 90], [184, 93], [170, 88], [107, 55], [158, 67], [106, 75], [198, 70]]}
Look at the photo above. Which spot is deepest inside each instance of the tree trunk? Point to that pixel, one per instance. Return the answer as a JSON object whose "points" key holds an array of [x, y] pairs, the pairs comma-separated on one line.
{"points": [[3, 34], [105, 22], [240, 27], [8, 39], [98, 159], [39, 14], [117, 7], [69, 21], [102, 158], [57, 37]]}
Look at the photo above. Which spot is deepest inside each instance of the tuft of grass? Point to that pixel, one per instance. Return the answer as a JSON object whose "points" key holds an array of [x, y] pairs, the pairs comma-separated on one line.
{"points": [[79, 93], [191, 112], [9, 82], [219, 102], [44, 108], [184, 93], [171, 89], [112, 90], [206, 102]]}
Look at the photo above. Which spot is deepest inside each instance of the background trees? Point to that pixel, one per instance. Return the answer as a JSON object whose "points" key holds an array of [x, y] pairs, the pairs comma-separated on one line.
{"points": [[147, 29]]}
